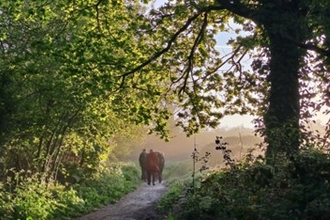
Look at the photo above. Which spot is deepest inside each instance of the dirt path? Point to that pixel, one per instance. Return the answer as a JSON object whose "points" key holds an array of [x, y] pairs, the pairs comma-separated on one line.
{"points": [[137, 205]]}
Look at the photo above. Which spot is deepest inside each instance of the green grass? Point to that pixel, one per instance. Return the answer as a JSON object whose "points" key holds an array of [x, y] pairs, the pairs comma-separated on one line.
{"points": [[177, 171]]}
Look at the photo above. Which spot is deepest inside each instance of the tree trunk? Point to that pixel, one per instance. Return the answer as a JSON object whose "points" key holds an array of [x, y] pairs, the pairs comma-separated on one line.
{"points": [[284, 30], [285, 27], [282, 117]]}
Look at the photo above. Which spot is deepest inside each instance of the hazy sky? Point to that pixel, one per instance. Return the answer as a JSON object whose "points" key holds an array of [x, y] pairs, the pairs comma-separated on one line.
{"points": [[236, 121]]}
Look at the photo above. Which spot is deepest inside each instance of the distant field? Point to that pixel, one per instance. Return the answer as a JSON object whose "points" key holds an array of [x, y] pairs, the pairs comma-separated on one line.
{"points": [[180, 147]]}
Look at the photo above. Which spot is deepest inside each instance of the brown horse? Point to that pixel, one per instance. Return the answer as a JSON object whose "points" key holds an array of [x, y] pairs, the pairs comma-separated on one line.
{"points": [[161, 164], [154, 166], [142, 161]]}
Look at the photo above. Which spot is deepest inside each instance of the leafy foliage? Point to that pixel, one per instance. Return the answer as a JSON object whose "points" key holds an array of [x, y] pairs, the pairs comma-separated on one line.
{"points": [[106, 65], [295, 189], [63, 97], [282, 40], [33, 199], [74, 75]]}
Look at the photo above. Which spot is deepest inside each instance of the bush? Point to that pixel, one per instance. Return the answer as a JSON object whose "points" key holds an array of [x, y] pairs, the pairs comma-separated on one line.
{"points": [[6, 206], [173, 195], [108, 186], [292, 189], [31, 198]]}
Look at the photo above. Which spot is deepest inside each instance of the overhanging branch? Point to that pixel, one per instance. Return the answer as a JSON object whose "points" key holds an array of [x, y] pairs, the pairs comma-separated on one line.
{"points": [[197, 41], [320, 51], [161, 52], [236, 7], [170, 42]]}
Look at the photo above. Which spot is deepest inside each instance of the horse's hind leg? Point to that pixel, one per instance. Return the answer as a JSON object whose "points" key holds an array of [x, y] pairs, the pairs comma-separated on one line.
{"points": [[148, 177], [153, 178], [160, 177]]}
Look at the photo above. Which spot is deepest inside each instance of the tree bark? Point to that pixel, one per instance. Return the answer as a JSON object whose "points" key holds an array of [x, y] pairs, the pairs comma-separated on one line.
{"points": [[284, 26], [283, 114]]}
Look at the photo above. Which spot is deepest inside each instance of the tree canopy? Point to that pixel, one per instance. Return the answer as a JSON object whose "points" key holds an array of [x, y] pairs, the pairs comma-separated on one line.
{"points": [[74, 74], [62, 94], [287, 43]]}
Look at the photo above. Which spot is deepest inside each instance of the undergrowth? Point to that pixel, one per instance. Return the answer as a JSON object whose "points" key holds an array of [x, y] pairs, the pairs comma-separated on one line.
{"points": [[295, 188], [31, 198]]}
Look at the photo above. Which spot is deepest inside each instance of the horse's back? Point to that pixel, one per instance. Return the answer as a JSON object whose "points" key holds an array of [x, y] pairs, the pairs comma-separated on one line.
{"points": [[152, 162]]}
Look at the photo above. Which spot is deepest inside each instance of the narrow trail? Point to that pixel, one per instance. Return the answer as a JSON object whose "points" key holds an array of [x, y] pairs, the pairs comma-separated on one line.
{"points": [[137, 205]]}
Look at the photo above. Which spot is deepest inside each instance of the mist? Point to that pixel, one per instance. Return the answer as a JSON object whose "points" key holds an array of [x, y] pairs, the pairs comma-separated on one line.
{"points": [[181, 147]]}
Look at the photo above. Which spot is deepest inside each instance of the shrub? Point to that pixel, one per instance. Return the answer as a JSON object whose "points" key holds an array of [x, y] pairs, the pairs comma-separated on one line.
{"points": [[6, 206], [31, 198], [292, 189], [173, 194]]}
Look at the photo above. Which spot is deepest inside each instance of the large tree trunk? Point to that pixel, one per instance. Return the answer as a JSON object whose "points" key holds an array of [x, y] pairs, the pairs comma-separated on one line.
{"points": [[282, 117], [285, 29], [284, 24]]}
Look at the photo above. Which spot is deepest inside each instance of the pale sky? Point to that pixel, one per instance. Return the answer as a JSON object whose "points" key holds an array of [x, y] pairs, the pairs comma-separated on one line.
{"points": [[237, 121]]}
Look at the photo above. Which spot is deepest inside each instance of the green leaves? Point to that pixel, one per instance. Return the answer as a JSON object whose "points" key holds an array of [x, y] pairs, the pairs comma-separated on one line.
{"points": [[86, 69], [62, 65]]}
